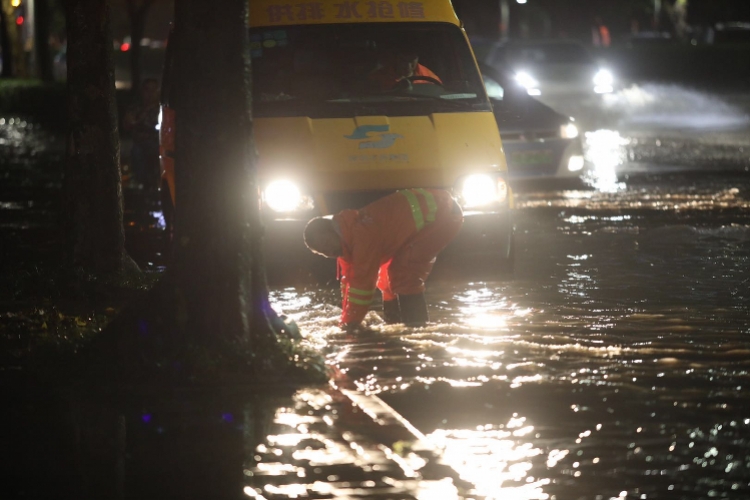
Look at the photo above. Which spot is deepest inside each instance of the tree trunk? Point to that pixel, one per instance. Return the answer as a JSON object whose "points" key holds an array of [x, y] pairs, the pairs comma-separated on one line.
{"points": [[13, 54], [217, 257], [44, 56], [92, 188], [5, 45], [138, 12]]}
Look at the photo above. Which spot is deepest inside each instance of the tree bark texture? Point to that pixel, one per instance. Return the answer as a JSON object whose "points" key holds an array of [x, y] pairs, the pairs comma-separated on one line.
{"points": [[92, 186], [217, 256], [138, 11]]}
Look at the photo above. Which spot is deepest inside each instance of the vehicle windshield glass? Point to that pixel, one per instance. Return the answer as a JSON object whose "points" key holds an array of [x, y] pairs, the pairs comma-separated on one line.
{"points": [[549, 54], [494, 89], [342, 70]]}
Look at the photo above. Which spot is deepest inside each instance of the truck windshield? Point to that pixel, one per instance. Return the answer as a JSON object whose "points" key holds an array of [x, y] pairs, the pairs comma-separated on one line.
{"points": [[342, 70]]}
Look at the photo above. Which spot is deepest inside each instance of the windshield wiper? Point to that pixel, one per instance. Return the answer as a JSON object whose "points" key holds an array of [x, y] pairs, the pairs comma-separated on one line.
{"points": [[384, 98]]}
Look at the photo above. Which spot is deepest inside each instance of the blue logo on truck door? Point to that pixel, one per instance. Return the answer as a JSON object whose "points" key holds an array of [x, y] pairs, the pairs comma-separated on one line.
{"points": [[379, 139]]}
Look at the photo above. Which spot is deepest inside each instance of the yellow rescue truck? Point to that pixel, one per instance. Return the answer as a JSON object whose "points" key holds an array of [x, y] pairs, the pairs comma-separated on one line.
{"points": [[353, 100]]}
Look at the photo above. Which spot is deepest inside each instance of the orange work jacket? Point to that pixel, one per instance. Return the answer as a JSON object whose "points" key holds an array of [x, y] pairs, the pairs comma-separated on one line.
{"points": [[371, 236]]}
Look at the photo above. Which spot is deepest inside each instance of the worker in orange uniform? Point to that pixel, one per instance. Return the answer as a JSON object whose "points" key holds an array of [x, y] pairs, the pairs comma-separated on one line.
{"points": [[390, 244], [403, 66]]}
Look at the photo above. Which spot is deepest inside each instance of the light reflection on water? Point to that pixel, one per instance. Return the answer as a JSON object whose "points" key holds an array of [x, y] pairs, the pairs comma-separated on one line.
{"points": [[621, 343]]}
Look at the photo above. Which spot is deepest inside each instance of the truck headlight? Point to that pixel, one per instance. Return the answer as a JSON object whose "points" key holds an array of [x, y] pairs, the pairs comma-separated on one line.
{"points": [[285, 196], [479, 190]]}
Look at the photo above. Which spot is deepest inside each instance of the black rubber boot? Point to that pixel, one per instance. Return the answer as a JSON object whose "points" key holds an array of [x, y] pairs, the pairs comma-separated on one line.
{"points": [[391, 311], [413, 309]]}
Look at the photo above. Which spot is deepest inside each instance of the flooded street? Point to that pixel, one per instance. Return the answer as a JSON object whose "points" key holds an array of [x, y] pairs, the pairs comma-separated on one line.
{"points": [[614, 364]]}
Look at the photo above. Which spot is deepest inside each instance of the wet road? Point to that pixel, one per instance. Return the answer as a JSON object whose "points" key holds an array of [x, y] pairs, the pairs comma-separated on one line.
{"points": [[615, 364]]}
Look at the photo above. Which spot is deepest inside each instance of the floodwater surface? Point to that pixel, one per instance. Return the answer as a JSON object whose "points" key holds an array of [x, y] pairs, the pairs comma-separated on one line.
{"points": [[614, 364], [616, 361]]}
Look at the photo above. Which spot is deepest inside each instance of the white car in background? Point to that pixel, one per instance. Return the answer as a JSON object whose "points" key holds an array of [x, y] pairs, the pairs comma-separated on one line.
{"points": [[551, 67], [539, 142]]}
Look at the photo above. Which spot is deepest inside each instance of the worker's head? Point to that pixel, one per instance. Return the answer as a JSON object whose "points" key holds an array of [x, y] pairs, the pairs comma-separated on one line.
{"points": [[406, 62], [321, 238]]}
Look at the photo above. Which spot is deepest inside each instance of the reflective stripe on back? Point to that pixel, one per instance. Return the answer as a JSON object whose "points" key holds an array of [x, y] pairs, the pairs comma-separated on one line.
{"points": [[416, 210], [431, 205]]}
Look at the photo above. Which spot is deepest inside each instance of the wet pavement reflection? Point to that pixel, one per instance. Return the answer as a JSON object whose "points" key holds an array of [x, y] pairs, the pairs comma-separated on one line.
{"points": [[613, 365]]}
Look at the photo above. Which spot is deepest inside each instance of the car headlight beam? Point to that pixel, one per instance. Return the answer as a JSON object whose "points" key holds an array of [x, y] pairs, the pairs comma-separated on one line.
{"points": [[576, 163], [526, 80], [603, 78], [568, 131], [604, 82]]}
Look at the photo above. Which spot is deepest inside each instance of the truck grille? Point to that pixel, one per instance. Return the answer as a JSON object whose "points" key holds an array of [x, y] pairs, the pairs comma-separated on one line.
{"points": [[337, 201]]}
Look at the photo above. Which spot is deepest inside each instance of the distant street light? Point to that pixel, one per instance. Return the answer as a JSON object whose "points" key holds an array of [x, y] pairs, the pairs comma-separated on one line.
{"points": [[521, 1]]}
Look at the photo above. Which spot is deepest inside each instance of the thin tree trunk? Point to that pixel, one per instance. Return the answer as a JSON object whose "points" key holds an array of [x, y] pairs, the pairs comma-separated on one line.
{"points": [[6, 45], [44, 56], [12, 52], [92, 189]]}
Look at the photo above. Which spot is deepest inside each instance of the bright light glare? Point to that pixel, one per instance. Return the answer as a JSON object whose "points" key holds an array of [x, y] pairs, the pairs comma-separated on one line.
{"points": [[569, 131], [526, 80], [521, 1], [489, 457], [158, 120], [603, 78], [604, 89], [534, 92], [575, 163], [283, 196], [252, 493], [481, 189], [605, 152]]}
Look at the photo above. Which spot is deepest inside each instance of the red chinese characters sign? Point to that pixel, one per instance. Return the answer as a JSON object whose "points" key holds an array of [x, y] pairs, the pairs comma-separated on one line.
{"points": [[304, 12]]}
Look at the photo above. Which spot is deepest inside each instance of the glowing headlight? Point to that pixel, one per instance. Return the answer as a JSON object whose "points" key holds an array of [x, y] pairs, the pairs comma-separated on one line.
{"points": [[482, 189], [603, 78], [568, 131], [575, 163], [285, 196], [526, 80], [603, 81]]}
